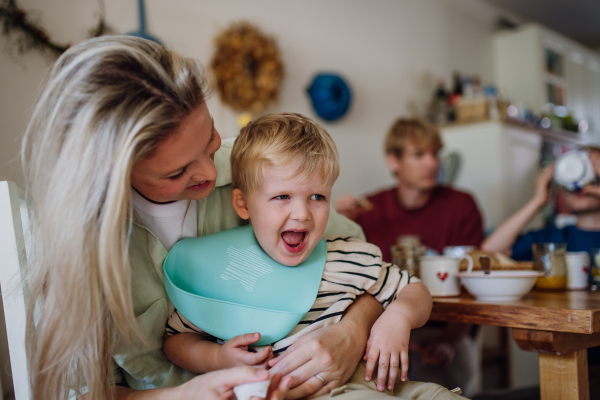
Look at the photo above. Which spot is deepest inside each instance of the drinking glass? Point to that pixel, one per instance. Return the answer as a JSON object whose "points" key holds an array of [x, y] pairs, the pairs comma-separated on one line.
{"points": [[406, 254], [549, 258], [595, 269]]}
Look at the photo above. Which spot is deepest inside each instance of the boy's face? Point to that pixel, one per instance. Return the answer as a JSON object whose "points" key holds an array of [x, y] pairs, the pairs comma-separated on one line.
{"points": [[417, 167], [579, 203], [289, 215]]}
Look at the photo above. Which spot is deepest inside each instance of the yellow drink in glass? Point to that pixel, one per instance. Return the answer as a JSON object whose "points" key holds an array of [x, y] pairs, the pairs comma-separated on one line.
{"points": [[549, 258], [551, 282]]}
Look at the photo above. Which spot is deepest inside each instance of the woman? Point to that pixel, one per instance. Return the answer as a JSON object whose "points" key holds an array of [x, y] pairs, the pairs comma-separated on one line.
{"points": [[121, 113]]}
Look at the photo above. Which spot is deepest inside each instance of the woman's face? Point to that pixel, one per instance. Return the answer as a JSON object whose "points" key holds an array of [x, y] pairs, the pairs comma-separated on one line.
{"points": [[183, 166]]}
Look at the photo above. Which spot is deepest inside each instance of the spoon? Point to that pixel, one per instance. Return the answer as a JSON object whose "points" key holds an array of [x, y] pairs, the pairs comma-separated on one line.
{"points": [[485, 264]]}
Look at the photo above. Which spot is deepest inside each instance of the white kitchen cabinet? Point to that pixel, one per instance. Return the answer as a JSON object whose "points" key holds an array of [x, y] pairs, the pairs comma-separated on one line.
{"points": [[536, 66]]}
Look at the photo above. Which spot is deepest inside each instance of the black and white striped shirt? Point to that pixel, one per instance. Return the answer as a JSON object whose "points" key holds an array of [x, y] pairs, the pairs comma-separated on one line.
{"points": [[353, 267]]}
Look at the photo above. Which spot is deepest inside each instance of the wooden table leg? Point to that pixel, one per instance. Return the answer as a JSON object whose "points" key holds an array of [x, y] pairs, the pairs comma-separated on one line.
{"points": [[563, 361], [564, 376]]}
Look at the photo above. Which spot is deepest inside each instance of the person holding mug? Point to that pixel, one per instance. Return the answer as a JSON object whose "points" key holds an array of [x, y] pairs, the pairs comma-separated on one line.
{"points": [[122, 159], [584, 204]]}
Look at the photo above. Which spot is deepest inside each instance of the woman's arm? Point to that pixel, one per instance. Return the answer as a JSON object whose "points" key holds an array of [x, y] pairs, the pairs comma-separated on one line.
{"points": [[506, 234], [212, 386], [333, 352], [122, 393]]}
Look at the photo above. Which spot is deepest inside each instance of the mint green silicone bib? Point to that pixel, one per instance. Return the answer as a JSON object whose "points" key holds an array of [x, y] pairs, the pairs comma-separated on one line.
{"points": [[226, 285]]}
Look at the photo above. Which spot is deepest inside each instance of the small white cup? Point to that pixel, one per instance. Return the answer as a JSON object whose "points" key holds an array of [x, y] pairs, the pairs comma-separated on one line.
{"points": [[458, 251], [438, 273], [578, 264]]}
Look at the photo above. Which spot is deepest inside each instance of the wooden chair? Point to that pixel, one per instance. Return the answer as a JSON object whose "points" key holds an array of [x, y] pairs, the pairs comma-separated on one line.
{"points": [[13, 233]]}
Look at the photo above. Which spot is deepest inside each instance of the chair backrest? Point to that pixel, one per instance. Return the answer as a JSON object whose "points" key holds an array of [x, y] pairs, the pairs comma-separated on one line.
{"points": [[13, 234]]}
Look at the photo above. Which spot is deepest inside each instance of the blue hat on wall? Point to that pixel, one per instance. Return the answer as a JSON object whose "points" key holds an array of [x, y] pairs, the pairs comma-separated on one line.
{"points": [[330, 96]]}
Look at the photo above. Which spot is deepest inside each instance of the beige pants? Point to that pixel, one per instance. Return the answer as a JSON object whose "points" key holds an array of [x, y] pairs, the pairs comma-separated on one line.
{"points": [[359, 389]]}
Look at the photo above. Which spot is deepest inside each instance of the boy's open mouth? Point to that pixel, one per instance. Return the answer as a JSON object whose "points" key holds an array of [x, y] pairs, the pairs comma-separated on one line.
{"points": [[294, 241]]}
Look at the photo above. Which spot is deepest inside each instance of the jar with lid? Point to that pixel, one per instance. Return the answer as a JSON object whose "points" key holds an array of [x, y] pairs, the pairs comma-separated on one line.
{"points": [[406, 254]]}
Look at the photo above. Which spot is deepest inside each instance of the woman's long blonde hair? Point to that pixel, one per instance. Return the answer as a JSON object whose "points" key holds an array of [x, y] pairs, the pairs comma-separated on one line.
{"points": [[108, 103]]}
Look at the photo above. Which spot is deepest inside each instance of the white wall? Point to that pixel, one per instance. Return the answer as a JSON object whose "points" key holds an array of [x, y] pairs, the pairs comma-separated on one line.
{"points": [[387, 49]]}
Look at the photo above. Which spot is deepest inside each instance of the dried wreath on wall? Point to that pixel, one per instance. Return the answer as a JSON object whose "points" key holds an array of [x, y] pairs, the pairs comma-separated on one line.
{"points": [[31, 36], [247, 67]]}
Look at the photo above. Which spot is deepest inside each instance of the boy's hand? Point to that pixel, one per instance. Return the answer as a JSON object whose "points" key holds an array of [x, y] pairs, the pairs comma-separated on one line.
{"points": [[542, 190], [388, 343], [234, 352], [351, 207]]}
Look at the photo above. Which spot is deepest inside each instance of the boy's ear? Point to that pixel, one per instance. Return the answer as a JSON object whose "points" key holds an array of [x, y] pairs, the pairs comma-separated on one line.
{"points": [[239, 204], [392, 161]]}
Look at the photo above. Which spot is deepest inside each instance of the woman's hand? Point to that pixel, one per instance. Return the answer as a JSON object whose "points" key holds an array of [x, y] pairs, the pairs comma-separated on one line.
{"points": [[332, 352], [219, 385]]}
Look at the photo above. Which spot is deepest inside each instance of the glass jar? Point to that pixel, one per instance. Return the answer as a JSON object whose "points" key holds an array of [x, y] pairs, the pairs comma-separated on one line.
{"points": [[406, 257], [549, 258]]}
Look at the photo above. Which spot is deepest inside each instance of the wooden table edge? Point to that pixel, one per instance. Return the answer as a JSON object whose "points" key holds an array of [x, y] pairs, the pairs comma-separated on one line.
{"points": [[513, 315]]}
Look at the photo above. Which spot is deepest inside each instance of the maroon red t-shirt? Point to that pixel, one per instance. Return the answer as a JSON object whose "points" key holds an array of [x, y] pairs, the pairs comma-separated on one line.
{"points": [[450, 218]]}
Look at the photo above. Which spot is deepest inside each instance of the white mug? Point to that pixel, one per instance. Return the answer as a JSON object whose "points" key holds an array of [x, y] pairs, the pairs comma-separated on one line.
{"points": [[578, 264], [458, 251], [438, 273]]}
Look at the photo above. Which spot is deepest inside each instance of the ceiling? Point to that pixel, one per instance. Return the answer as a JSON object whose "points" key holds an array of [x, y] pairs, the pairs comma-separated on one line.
{"points": [[577, 19]]}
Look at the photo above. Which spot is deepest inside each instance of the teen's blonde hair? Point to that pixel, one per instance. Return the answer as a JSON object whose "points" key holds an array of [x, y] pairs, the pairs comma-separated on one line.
{"points": [[108, 103], [419, 131], [279, 140]]}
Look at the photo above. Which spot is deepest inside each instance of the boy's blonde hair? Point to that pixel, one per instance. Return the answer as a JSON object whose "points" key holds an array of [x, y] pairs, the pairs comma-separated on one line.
{"points": [[278, 140], [421, 132]]}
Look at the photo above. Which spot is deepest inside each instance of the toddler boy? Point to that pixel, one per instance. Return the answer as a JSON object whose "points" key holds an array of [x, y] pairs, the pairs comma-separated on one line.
{"points": [[283, 169]]}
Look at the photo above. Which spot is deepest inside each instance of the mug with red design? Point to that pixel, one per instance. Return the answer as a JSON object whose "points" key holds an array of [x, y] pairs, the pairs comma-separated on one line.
{"points": [[438, 273], [578, 265]]}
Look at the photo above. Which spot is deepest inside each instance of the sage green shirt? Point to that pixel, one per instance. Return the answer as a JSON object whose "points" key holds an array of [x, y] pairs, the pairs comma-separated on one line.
{"points": [[143, 364]]}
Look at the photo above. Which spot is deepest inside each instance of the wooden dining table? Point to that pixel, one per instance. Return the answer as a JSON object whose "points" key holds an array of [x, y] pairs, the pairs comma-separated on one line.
{"points": [[558, 325]]}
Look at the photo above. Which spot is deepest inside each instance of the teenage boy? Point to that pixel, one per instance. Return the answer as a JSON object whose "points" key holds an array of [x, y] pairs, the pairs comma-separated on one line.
{"points": [[283, 167], [417, 204]]}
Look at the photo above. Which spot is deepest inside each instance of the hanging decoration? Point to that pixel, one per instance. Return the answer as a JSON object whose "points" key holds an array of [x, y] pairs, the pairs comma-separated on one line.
{"points": [[25, 34], [248, 68], [330, 96], [141, 32]]}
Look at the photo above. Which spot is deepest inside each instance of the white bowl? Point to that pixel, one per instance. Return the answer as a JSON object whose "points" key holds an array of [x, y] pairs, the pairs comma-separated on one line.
{"points": [[499, 285]]}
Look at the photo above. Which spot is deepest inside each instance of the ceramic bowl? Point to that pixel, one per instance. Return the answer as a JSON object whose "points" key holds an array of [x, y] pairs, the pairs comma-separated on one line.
{"points": [[499, 285]]}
